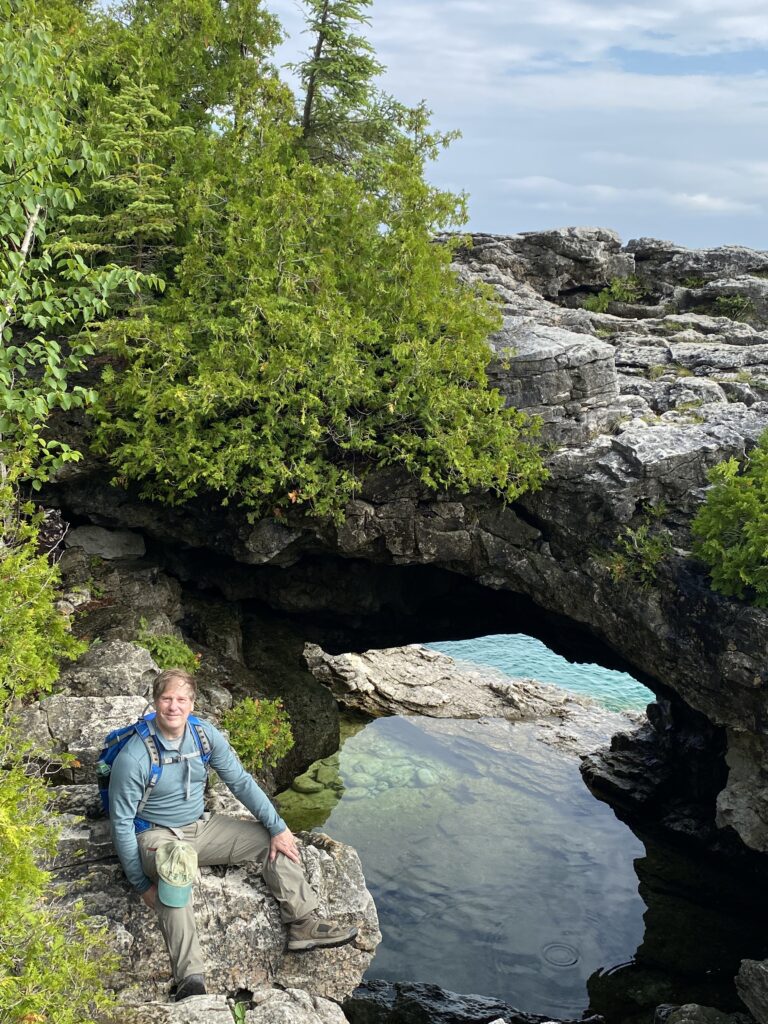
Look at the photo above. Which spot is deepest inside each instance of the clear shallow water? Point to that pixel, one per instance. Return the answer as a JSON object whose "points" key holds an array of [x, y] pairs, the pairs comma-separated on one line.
{"points": [[492, 867], [518, 655]]}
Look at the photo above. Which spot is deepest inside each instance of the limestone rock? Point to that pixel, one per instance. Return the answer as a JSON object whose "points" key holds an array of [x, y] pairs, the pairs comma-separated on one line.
{"points": [[752, 986], [384, 1002], [743, 803], [691, 1013], [95, 540], [641, 403], [210, 1009], [242, 938], [114, 667], [293, 1006], [417, 680]]}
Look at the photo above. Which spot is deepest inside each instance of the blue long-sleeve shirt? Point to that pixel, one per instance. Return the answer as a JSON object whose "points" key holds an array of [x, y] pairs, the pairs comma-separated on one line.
{"points": [[177, 799]]}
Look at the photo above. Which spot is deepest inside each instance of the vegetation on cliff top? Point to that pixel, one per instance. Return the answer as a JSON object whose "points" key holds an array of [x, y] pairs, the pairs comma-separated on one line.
{"points": [[731, 529], [311, 330]]}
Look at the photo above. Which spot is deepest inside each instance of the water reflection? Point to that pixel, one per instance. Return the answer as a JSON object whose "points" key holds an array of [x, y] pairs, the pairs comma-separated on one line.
{"points": [[493, 868]]}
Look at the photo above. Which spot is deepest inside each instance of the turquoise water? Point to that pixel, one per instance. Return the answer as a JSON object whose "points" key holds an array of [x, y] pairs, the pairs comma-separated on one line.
{"points": [[518, 655], [492, 867]]}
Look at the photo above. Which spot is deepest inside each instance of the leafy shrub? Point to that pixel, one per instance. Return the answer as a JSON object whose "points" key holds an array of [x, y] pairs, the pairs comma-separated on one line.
{"points": [[167, 650], [260, 732], [732, 526], [52, 961], [34, 636], [52, 958], [621, 289]]}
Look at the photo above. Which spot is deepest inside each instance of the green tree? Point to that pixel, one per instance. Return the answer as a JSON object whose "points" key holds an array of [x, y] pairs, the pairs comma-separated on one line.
{"points": [[341, 113], [315, 331], [46, 290], [130, 218], [731, 529]]}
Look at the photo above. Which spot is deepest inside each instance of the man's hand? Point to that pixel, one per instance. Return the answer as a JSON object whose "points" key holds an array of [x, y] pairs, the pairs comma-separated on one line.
{"points": [[150, 896], [284, 842]]}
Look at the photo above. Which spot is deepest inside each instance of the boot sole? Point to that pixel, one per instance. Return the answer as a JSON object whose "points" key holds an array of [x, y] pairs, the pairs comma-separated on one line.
{"points": [[304, 945]]}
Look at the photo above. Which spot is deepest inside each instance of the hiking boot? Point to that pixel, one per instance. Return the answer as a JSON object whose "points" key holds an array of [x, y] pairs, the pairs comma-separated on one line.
{"points": [[192, 985], [313, 932]]}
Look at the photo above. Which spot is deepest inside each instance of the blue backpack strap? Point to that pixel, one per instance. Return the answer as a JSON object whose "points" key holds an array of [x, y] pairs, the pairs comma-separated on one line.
{"points": [[145, 731]]}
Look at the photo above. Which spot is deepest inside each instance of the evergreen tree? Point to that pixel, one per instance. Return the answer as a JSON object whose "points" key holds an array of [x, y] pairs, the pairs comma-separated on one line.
{"points": [[315, 331], [131, 217], [339, 111]]}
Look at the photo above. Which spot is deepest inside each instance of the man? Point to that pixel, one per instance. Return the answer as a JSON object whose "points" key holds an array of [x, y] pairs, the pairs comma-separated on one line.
{"points": [[174, 812]]}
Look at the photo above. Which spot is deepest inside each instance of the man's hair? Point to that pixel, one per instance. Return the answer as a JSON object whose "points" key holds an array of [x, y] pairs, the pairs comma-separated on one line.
{"points": [[173, 675]]}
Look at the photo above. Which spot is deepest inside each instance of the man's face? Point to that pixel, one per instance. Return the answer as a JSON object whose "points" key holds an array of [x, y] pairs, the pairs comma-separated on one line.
{"points": [[174, 706]]}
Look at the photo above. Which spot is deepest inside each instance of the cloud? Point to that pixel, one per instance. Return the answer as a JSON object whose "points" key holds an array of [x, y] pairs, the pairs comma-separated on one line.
{"points": [[564, 113], [591, 196]]}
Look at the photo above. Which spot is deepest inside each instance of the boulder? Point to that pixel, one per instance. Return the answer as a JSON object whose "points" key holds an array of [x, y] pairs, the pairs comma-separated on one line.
{"points": [[415, 680], [384, 1002], [95, 540], [242, 938], [692, 1013], [752, 986]]}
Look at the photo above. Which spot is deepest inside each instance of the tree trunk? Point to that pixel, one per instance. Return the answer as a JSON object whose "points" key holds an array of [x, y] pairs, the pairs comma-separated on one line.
{"points": [[306, 120]]}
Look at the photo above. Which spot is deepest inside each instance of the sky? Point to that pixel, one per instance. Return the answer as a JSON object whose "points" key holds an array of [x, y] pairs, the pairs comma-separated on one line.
{"points": [[650, 118]]}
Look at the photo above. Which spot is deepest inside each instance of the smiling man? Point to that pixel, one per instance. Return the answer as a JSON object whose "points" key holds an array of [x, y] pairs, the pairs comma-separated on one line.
{"points": [[174, 813]]}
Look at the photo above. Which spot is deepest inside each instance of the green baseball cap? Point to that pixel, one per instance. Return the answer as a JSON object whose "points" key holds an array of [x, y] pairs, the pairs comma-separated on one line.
{"points": [[176, 865]]}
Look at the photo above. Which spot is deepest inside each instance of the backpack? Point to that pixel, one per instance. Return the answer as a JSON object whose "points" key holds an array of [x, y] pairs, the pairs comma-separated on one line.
{"points": [[116, 740]]}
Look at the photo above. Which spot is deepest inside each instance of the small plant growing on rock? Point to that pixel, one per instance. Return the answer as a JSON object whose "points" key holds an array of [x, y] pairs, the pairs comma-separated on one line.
{"points": [[731, 529], [638, 554], [167, 650], [621, 289], [260, 732], [656, 371], [735, 307]]}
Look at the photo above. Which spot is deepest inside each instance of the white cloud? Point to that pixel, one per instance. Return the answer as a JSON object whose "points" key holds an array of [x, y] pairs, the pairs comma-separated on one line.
{"points": [[591, 195], [540, 96]]}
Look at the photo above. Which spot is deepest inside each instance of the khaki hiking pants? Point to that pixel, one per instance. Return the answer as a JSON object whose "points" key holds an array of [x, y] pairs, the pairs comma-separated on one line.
{"points": [[219, 839]]}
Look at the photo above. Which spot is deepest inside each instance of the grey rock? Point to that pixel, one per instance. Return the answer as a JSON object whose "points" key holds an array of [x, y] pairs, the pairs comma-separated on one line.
{"points": [[743, 803], [692, 1013], [293, 1006], [114, 667], [416, 680], [752, 986], [626, 444], [242, 938], [77, 726], [95, 540], [210, 1009], [385, 1002]]}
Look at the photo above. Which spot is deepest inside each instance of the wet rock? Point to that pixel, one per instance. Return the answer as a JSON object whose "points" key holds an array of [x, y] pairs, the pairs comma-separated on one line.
{"points": [[383, 1002], [691, 1013]]}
